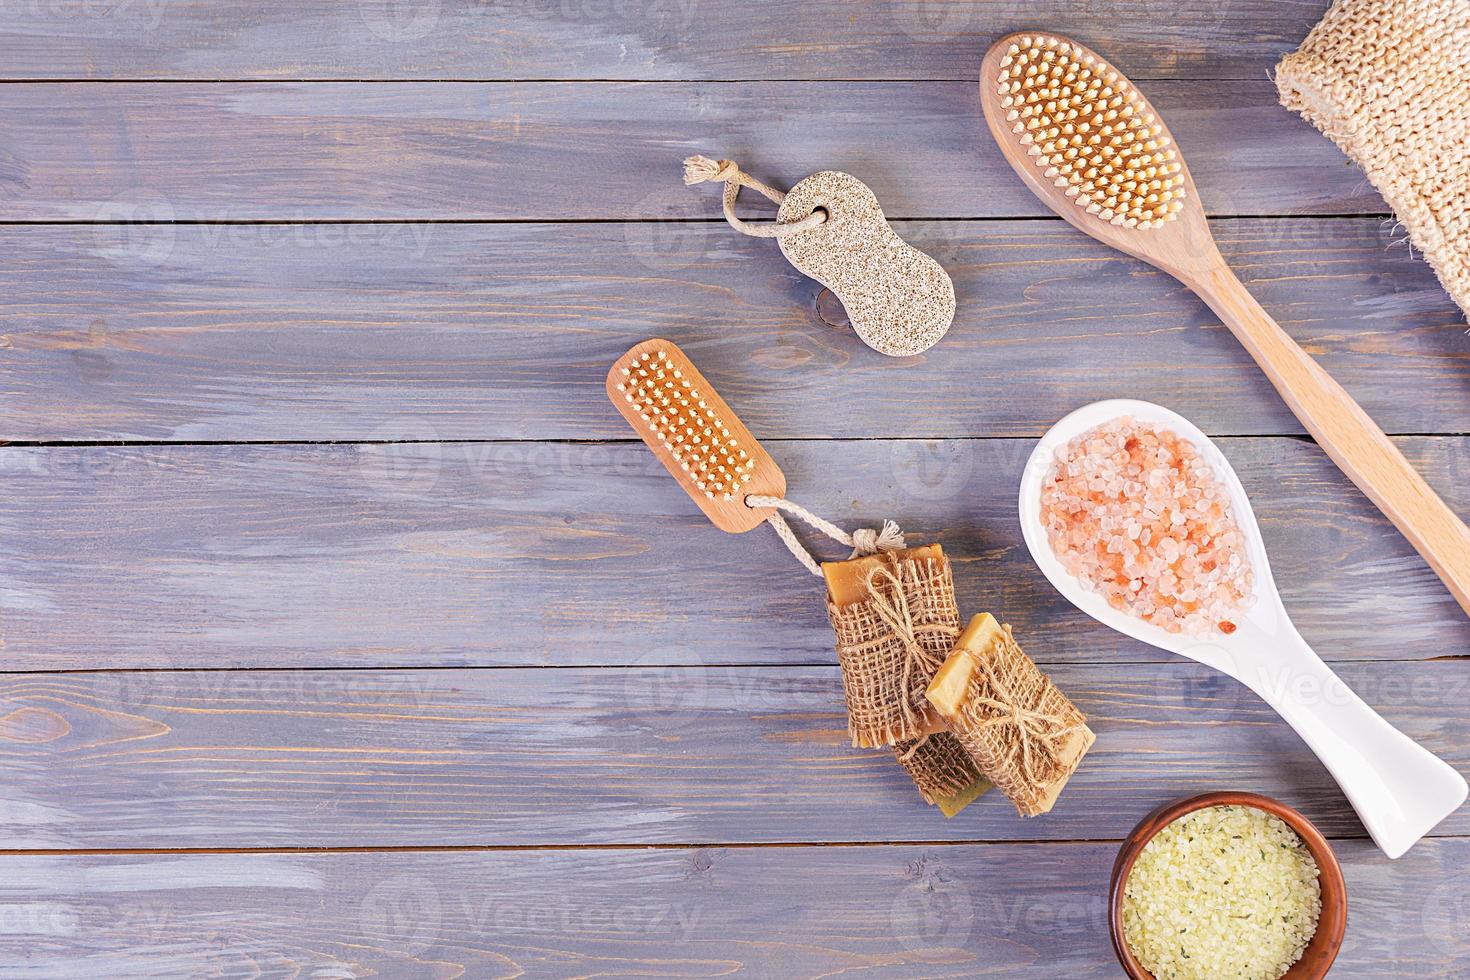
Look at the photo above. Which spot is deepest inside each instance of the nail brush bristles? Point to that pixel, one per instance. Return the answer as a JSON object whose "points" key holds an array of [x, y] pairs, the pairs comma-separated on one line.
{"points": [[1091, 132], [679, 413], [697, 437]]}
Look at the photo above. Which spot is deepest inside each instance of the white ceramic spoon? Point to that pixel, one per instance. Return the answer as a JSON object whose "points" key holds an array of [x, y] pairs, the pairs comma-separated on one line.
{"points": [[1399, 789]]}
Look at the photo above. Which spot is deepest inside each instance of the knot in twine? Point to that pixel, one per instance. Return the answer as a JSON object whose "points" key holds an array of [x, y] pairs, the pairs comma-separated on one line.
{"points": [[866, 541], [699, 169], [1038, 733], [863, 541], [891, 605]]}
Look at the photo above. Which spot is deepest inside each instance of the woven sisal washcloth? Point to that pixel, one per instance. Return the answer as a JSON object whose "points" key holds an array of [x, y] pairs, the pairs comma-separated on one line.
{"points": [[1389, 82], [890, 644]]}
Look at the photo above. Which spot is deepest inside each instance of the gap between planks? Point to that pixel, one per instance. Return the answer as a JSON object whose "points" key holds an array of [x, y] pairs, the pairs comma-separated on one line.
{"points": [[533, 80], [716, 220], [731, 665], [146, 444], [682, 846]]}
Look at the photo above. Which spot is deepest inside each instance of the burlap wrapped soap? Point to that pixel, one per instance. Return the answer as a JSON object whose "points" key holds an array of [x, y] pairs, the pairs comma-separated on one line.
{"points": [[942, 770], [1023, 734], [895, 619]]}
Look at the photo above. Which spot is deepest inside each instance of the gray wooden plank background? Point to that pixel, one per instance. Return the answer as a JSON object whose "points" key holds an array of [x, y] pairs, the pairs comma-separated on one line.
{"points": [[529, 554], [437, 331], [681, 754], [901, 912], [346, 633], [655, 39], [130, 152]]}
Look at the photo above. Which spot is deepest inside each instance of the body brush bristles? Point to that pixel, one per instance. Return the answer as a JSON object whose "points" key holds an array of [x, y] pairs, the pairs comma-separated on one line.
{"points": [[1090, 131]]}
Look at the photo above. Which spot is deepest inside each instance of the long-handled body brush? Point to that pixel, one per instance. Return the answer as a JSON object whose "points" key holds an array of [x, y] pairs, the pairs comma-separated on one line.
{"points": [[1087, 142]]}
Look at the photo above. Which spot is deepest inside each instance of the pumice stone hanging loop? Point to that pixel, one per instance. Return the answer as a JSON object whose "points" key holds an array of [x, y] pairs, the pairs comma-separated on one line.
{"points": [[830, 227]]}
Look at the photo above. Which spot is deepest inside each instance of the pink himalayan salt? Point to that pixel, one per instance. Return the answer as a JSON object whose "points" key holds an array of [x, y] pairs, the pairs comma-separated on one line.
{"points": [[1137, 516]]}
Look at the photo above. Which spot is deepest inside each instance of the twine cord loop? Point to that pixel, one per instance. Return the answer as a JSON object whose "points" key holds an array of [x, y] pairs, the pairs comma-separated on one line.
{"points": [[699, 169], [863, 541]]}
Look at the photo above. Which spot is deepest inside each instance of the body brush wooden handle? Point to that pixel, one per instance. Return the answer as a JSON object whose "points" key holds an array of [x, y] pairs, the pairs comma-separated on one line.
{"points": [[1345, 432], [1087, 142]]}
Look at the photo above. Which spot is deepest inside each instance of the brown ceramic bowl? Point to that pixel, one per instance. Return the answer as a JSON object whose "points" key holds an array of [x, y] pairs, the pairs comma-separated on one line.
{"points": [[1320, 952]]}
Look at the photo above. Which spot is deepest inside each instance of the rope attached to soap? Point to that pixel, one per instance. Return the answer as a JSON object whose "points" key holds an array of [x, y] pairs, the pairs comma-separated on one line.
{"points": [[863, 541], [698, 169]]}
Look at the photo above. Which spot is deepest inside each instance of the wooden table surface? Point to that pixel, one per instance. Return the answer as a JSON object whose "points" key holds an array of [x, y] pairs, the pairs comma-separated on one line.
{"points": [[346, 632]]}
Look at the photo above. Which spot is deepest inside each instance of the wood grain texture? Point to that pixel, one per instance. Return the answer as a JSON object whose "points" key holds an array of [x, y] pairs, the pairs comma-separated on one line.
{"points": [[694, 702], [642, 755], [128, 152], [657, 39], [1349, 436], [435, 554], [462, 331], [1022, 910]]}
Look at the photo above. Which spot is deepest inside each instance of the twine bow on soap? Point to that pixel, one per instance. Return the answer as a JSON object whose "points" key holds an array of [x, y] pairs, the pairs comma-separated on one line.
{"points": [[890, 604], [1038, 733], [698, 169]]}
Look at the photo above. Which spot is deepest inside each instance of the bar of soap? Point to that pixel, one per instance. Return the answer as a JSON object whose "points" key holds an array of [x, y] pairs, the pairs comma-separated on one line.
{"points": [[847, 581], [942, 771], [883, 677], [1072, 752], [960, 692], [951, 683], [950, 806]]}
